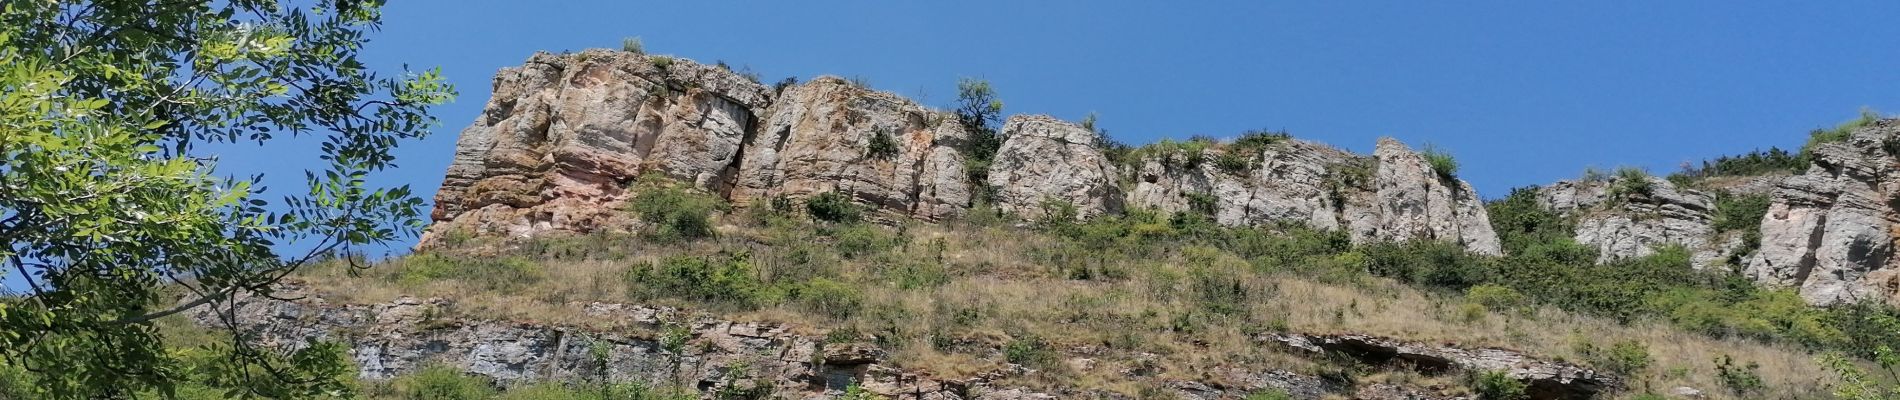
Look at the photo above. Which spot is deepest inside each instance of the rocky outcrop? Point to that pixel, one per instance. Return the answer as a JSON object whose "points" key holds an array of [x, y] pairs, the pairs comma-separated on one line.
{"points": [[1543, 379], [884, 150], [1393, 195], [717, 357], [655, 345], [1044, 160], [557, 146], [1631, 225], [1414, 202], [562, 137], [1829, 233], [1292, 181]]}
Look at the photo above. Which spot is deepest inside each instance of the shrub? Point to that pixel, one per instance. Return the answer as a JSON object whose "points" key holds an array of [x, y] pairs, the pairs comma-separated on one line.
{"points": [[833, 207], [633, 45], [673, 212], [859, 240], [661, 62], [442, 383], [783, 84], [1740, 380], [1031, 351], [1632, 181], [882, 147], [1625, 358], [1496, 385], [837, 299], [1441, 162], [1269, 394], [729, 279], [1497, 298]]}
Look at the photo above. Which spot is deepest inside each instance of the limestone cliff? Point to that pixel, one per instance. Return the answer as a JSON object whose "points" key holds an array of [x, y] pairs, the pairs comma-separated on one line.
{"points": [[1630, 225], [1829, 232], [557, 146], [1393, 195]]}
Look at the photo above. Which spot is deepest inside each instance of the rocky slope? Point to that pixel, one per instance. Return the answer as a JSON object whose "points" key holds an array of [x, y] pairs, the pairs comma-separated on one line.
{"points": [[564, 135], [1829, 232], [660, 345]]}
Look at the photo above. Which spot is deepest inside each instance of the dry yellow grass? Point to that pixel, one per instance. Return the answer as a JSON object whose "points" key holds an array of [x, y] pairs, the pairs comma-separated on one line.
{"points": [[996, 292]]}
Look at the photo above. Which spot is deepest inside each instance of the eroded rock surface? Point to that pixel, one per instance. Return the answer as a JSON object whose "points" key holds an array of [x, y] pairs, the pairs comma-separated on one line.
{"points": [[819, 137], [1829, 232], [1393, 195], [1045, 159], [556, 146], [1544, 379], [1632, 225]]}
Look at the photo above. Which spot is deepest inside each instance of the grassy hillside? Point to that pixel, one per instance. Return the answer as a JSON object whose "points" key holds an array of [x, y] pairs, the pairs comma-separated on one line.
{"points": [[1175, 296]]}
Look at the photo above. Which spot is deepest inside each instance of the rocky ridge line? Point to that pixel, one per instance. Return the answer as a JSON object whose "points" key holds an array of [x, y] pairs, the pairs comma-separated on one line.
{"points": [[557, 146]]}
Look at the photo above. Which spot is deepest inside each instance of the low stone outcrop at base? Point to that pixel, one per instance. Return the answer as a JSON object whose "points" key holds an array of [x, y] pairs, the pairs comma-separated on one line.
{"points": [[1544, 379]]}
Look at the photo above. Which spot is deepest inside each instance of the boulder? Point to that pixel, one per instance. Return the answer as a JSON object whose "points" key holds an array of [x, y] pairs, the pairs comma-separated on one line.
{"points": [[1044, 159]]}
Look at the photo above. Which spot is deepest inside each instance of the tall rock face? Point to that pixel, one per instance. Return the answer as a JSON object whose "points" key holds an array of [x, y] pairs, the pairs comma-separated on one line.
{"points": [[1415, 203], [829, 135], [1829, 233], [1393, 195], [1292, 181], [1046, 159], [1632, 225], [556, 146]]}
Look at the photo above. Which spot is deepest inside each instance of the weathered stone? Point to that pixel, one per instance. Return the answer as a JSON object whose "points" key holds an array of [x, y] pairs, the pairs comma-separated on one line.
{"points": [[1544, 379], [1414, 202], [819, 138], [1829, 232], [563, 135], [1632, 225], [1045, 159]]}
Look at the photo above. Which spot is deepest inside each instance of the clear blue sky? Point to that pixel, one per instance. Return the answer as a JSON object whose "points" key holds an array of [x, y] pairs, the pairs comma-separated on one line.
{"points": [[1523, 92]]}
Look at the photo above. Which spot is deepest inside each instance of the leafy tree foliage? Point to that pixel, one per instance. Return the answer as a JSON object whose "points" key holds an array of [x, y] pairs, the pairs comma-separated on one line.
{"points": [[979, 111], [109, 204]]}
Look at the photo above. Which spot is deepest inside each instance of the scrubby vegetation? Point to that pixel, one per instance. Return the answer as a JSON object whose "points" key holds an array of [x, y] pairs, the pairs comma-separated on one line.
{"points": [[980, 111], [674, 212], [963, 297], [1442, 162]]}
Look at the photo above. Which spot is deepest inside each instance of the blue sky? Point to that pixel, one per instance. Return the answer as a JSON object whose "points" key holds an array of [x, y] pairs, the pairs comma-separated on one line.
{"points": [[1522, 92]]}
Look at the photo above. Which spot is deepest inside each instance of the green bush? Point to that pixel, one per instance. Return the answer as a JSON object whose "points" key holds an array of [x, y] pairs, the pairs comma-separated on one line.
{"points": [[1632, 181], [833, 207], [1743, 380], [633, 45], [674, 212], [1495, 385], [442, 383], [729, 279], [861, 240], [829, 297], [1441, 162], [1625, 358], [1839, 133], [1269, 394], [1497, 298], [881, 147], [1030, 351]]}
